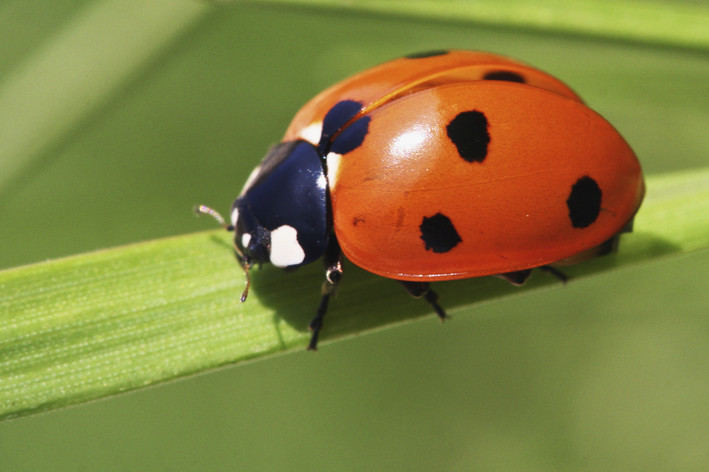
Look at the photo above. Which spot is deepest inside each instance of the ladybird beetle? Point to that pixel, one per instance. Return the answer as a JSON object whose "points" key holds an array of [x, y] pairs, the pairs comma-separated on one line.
{"points": [[438, 166]]}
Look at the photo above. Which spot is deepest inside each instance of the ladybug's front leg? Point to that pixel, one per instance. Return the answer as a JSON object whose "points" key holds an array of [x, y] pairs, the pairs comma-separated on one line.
{"points": [[333, 275], [423, 289]]}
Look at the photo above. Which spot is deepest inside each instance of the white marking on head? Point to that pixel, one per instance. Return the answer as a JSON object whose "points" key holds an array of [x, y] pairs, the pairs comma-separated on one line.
{"points": [[312, 133], [250, 181], [234, 217], [333, 166], [245, 239], [285, 250]]}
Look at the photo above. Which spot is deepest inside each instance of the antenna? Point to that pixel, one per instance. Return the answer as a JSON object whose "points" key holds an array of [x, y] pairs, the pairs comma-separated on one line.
{"points": [[243, 260]]}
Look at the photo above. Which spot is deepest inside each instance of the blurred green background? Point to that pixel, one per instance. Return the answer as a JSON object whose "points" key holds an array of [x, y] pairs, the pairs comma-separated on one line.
{"points": [[107, 146]]}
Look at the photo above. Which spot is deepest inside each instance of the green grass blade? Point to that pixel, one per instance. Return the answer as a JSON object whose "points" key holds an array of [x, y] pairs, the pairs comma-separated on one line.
{"points": [[670, 23], [93, 325]]}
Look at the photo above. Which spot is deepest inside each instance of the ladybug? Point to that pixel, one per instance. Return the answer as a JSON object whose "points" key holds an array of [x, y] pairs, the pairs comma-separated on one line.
{"points": [[438, 166]]}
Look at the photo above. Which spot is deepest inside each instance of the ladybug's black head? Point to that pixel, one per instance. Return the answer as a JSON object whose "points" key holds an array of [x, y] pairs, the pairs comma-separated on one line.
{"points": [[281, 215], [252, 242]]}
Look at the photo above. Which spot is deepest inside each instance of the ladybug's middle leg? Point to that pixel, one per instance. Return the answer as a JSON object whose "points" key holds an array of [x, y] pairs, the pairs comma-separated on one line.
{"points": [[333, 274], [423, 289]]}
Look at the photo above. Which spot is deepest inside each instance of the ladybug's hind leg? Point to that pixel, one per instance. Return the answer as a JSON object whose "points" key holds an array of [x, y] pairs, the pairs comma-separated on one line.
{"points": [[520, 277], [556, 273], [333, 275], [423, 289]]}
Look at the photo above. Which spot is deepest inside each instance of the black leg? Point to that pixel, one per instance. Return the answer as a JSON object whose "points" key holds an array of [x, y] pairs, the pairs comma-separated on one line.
{"points": [[556, 273], [518, 277], [316, 323], [423, 289], [333, 275]]}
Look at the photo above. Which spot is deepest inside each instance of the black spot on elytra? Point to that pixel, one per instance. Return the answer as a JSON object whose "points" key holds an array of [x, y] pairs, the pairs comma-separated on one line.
{"points": [[438, 233], [422, 55], [584, 202], [468, 131], [335, 119], [351, 137], [505, 75]]}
